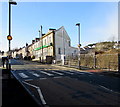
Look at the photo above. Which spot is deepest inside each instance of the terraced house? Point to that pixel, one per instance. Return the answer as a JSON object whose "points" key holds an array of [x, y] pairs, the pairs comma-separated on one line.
{"points": [[55, 45]]}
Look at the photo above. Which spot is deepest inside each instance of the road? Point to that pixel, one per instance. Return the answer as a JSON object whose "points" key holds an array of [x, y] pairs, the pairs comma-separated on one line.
{"points": [[53, 85]]}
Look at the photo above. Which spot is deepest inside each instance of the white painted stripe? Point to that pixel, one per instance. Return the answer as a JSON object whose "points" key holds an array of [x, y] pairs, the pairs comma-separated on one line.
{"points": [[29, 84], [81, 73], [39, 91], [23, 75], [89, 73], [29, 80], [46, 73], [42, 78], [41, 96], [84, 72], [105, 88], [109, 89], [57, 77], [35, 74], [67, 72], [57, 72]]}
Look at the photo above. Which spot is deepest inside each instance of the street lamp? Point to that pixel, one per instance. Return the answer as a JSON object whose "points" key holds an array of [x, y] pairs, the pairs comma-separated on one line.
{"points": [[63, 55], [10, 3], [41, 42], [9, 37], [78, 24], [39, 33]]}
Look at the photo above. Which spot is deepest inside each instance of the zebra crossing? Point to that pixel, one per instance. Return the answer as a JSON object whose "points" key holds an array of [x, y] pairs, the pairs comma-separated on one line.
{"points": [[40, 74]]}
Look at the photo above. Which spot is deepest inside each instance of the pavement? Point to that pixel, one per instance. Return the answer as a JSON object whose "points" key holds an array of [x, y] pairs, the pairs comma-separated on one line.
{"points": [[13, 93], [106, 72]]}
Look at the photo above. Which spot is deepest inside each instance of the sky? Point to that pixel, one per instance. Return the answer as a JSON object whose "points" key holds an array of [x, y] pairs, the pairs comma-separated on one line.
{"points": [[99, 21]]}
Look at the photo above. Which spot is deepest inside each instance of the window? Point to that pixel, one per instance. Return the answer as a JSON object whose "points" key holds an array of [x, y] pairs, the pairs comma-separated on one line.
{"points": [[69, 43], [64, 50], [72, 54], [59, 51], [74, 51], [45, 41], [49, 39]]}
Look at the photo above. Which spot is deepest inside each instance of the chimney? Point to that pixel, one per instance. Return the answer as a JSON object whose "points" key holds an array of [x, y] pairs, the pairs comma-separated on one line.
{"points": [[51, 29], [33, 41], [26, 44], [43, 34], [37, 39]]}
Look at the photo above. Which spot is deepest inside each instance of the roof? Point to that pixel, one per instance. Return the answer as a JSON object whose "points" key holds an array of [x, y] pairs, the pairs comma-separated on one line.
{"points": [[63, 29]]}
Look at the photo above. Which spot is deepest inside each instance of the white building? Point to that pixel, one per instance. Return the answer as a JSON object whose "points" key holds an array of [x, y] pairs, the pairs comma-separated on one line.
{"points": [[63, 44], [55, 44]]}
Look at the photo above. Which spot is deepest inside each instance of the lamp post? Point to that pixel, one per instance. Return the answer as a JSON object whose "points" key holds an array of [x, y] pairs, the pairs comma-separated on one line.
{"points": [[39, 33], [10, 3], [9, 37], [78, 24], [41, 42], [63, 53]]}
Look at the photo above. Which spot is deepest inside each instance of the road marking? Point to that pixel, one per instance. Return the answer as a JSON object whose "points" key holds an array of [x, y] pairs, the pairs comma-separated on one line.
{"points": [[46, 73], [41, 96], [84, 72], [89, 73], [35, 74], [29, 80], [57, 77], [57, 72], [42, 78], [39, 91], [109, 89], [67, 72], [23, 75], [105, 88], [80, 73]]}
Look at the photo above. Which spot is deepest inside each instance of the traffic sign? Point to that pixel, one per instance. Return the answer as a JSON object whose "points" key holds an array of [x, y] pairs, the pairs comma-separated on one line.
{"points": [[9, 37]]}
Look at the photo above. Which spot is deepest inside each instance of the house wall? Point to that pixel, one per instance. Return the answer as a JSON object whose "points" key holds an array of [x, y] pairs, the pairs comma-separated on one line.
{"points": [[63, 43], [47, 49], [55, 43]]}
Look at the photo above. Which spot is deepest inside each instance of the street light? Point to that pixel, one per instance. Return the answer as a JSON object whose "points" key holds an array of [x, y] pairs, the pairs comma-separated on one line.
{"points": [[63, 56], [10, 3], [42, 42], [9, 37], [39, 33], [78, 24]]}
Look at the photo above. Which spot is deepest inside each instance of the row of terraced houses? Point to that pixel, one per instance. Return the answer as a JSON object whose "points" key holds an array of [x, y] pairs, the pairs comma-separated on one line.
{"points": [[52, 46]]}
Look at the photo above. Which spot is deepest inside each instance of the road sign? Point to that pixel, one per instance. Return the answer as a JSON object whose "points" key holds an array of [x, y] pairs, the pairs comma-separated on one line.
{"points": [[9, 37]]}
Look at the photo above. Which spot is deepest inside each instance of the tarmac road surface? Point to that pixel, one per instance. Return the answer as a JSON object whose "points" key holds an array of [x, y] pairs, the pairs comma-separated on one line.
{"points": [[51, 85]]}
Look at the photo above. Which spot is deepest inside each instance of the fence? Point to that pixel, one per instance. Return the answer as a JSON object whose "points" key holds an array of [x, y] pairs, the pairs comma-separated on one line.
{"points": [[100, 61]]}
